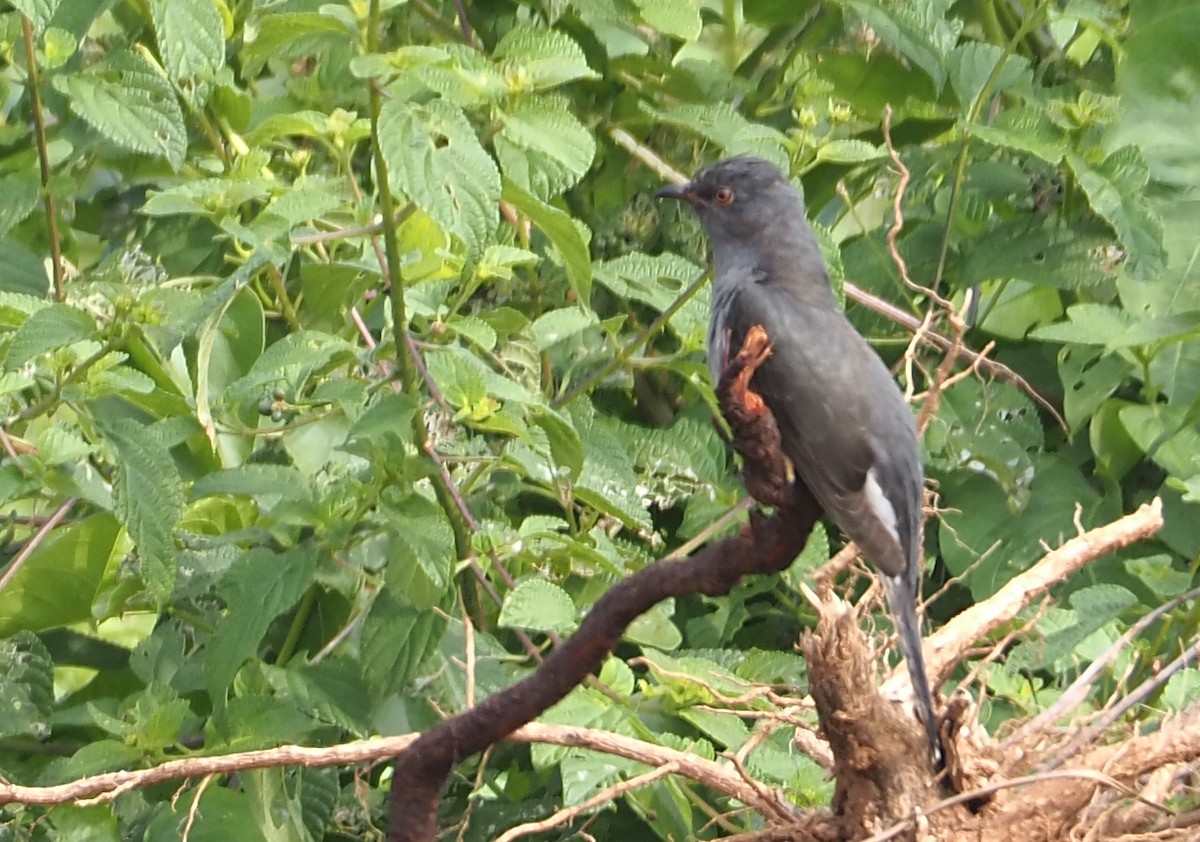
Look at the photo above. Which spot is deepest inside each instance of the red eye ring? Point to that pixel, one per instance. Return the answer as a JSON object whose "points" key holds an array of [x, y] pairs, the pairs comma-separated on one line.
{"points": [[723, 195]]}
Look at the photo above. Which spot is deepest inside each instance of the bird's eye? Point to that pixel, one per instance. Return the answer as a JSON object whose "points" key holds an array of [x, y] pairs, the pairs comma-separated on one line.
{"points": [[723, 195]]}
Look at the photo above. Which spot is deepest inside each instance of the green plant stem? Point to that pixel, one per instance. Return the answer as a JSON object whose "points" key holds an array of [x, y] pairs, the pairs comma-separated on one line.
{"points": [[285, 304], [51, 400], [638, 341], [387, 203], [39, 134], [303, 612], [960, 166]]}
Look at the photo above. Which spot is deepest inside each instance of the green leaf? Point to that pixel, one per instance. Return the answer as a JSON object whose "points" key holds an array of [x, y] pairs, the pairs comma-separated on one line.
{"points": [[284, 35], [1116, 191], [435, 159], [46, 330], [27, 692], [1039, 251], [20, 191], [538, 605], [992, 429], [39, 12], [129, 102], [1094, 607], [1179, 327], [728, 129], [563, 233], [257, 588], [848, 152], [148, 501], [555, 326], [1025, 129], [543, 147], [1087, 324], [191, 40], [1089, 376], [1161, 575], [677, 18], [397, 638], [58, 583], [258, 481], [537, 58], [922, 31], [1166, 435], [972, 63]]}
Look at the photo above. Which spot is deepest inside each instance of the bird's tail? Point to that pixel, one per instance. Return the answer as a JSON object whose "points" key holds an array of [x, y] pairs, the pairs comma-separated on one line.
{"points": [[902, 600]]}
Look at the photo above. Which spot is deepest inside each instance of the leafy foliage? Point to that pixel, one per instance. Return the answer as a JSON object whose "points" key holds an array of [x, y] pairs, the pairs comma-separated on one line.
{"points": [[274, 525]]}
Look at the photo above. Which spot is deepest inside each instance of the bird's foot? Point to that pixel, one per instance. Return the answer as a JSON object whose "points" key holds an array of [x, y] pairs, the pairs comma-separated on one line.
{"points": [[767, 472]]}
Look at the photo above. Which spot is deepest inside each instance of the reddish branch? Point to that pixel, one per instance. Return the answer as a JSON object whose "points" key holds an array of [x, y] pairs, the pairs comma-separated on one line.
{"points": [[768, 545]]}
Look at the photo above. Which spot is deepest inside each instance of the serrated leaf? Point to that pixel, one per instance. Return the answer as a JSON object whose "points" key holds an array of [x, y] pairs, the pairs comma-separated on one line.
{"points": [[972, 63], [27, 692], [1087, 324], [1161, 575], [538, 605], [46, 330], [20, 191], [678, 18], [191, 42], [270, 481], [148, 501], [848, 151], [922, 32], [435, 158], [563, 233], [331, 692], [729, 130], [565, 447], [396, 639], [212, 197], [1179, 327], [1025, 130], [543, 147], [467, 78], [291, 360], [992, 429], [1038, 251], [39, 12], [128, 100], [657, 281], [59, 446], [537, 58], [1116, 191], [257, 588], [287, 35]]}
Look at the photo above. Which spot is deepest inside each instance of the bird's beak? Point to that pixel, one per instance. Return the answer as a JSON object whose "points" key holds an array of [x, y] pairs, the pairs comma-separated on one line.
{"points": [[683, 192]]}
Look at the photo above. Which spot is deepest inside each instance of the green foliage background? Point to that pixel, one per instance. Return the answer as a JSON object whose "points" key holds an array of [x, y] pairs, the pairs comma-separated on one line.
{"points": [[269, 529]]}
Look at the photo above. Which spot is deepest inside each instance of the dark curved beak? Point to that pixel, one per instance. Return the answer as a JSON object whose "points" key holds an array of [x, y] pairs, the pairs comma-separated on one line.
{"points": [[683, 192]]}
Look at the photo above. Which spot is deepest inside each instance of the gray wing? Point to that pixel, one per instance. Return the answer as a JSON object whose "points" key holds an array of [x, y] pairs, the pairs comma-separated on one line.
{"points": [[843, 421]]}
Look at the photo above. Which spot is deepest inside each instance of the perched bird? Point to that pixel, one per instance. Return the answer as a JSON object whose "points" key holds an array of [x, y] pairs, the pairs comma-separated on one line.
{"points": [[844, 423]]}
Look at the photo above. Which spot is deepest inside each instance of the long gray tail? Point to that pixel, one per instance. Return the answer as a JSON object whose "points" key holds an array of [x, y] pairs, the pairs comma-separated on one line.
{"points": [[902, 600]]}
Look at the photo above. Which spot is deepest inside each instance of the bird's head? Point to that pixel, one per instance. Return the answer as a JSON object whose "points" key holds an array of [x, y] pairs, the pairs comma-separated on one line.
{"points": [[739, 199]]}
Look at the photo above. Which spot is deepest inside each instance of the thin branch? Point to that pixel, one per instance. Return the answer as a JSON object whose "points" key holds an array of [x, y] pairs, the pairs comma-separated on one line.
{"points": [[608, 794], [39, 134], [945, 647], [35, 542]]}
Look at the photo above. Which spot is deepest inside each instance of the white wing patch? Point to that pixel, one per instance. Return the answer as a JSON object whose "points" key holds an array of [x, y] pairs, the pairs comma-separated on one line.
{"points": [[884, 511]]}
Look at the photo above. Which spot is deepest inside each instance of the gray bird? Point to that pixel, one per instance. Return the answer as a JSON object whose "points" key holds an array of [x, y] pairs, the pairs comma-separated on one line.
{"points": [[844, 423]]}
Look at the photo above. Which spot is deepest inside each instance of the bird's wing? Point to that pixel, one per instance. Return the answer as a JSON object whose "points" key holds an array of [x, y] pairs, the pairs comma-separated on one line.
{"points": [[843, 421]]}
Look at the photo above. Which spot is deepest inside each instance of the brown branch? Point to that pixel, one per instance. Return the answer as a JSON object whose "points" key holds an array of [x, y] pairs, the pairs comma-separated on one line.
{"points": [[766, 546], [946, 647]]}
